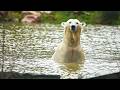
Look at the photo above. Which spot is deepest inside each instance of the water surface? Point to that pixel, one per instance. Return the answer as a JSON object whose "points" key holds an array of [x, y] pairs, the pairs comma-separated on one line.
{"points": [[29, 48]]}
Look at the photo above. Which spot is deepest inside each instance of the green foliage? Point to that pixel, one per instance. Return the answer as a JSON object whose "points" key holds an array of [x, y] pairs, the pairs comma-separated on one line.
{"points": [[56, 17], [110, 17], [14, 15], [61, 16]]}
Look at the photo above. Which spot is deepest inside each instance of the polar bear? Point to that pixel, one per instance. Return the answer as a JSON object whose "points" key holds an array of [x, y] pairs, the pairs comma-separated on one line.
{"points": [[69, 50]]}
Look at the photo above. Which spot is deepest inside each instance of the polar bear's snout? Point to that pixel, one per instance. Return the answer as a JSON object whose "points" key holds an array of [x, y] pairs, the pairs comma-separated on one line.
{"points": [[73, 28]]}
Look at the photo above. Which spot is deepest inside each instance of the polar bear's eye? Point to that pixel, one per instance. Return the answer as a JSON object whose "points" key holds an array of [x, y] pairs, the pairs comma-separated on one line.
{"points": [[69, 22], [76, 22]]}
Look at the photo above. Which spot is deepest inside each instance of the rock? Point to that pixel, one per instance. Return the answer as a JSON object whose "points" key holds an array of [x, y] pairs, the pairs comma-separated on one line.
{"points": [[31, 17], [31, 13], [47, 12]]}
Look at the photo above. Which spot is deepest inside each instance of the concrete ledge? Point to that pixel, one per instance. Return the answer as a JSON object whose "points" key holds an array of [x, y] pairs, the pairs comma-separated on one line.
{"points": [[15, 75], [109, 76]]}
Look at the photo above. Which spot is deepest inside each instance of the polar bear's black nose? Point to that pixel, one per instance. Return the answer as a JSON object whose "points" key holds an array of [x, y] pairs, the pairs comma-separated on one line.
{"points": [[73, 27]]}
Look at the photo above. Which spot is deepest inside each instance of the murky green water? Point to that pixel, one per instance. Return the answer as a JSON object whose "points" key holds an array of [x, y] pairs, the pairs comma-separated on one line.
{"points": [[29, 48]]}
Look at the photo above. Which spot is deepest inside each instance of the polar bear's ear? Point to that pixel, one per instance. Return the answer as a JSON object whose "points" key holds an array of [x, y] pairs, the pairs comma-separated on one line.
{"points": [[63, 24], [83, 24]]}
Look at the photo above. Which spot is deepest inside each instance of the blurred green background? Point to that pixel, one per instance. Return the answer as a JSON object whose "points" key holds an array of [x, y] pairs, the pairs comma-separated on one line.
{"points": [[56, 17]]}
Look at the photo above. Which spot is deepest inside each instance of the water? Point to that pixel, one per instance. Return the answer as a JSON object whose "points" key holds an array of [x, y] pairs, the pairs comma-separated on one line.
{"points": [[29, 48]]}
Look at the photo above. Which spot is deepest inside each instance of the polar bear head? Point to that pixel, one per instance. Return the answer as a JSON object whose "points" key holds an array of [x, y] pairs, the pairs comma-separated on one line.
{"points": [[73, 25]]}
